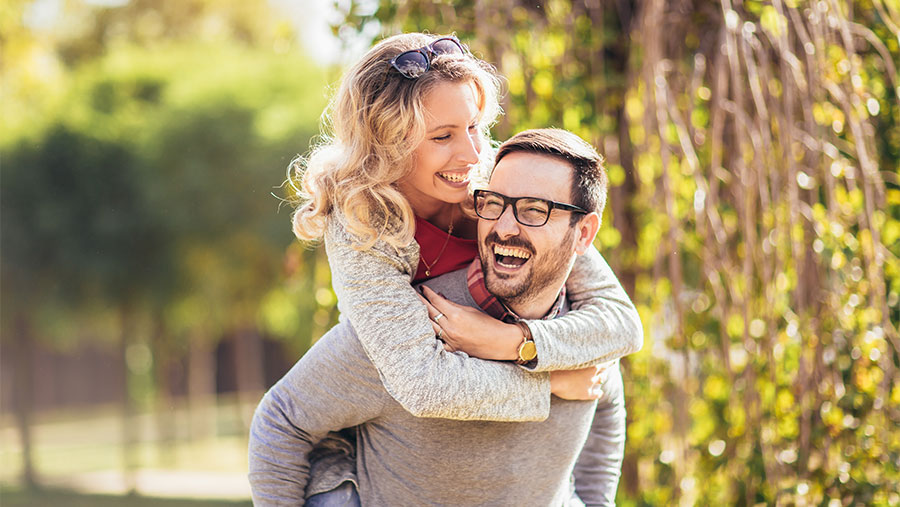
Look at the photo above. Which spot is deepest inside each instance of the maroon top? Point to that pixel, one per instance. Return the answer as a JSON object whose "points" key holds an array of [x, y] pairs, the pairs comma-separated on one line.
{"points": [[457, 254]]}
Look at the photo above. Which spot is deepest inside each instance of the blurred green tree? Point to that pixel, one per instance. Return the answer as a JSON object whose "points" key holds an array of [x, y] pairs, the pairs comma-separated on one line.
{"points": [[139, 178], [75, 230]]}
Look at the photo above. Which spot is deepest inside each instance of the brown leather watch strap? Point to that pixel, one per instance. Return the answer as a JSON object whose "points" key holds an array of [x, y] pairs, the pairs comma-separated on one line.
{"points": [[527, 350]]}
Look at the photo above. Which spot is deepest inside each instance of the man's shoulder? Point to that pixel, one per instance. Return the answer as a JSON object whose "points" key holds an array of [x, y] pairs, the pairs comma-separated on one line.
{"points": [[453, 286], [339, 346]]}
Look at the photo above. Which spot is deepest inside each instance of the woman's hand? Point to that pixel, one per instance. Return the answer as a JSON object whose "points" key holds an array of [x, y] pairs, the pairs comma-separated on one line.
{"points": [[471, 331], [583, 384]]}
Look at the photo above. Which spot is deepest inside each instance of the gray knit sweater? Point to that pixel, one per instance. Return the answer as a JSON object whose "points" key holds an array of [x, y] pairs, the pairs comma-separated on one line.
{"points": [[407, 460], [375, 295]]}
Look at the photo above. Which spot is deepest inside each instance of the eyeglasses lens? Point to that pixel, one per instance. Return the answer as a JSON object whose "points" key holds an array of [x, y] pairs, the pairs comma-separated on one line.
{"points": [[531, 212], [489, 206], [414, 63], [446, 47], [411, 64]]}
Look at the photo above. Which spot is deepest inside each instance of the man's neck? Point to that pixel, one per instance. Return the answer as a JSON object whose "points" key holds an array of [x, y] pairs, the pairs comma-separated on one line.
{"points": [[535, 307]]}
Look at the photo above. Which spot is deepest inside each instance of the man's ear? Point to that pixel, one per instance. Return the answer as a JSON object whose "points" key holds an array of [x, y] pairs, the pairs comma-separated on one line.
{"points": [[586, 231]]}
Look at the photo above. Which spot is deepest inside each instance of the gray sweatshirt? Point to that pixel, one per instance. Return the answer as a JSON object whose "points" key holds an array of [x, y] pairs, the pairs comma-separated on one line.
{"points": [[407, 460], [392, 324]]}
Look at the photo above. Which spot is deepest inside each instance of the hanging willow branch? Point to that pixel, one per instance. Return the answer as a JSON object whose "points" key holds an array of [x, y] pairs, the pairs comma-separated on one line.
{"points": [[754, 185]]}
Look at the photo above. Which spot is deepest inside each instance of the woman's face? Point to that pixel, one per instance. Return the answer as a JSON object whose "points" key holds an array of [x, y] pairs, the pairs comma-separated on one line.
{"points": [[443, 160]]}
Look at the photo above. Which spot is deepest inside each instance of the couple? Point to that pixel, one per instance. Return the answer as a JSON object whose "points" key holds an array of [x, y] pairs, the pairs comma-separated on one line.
{"points": [[433, 422]]}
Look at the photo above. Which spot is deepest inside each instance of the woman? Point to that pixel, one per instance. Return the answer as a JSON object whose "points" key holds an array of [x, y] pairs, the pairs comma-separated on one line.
{"points": [[388, 191]]}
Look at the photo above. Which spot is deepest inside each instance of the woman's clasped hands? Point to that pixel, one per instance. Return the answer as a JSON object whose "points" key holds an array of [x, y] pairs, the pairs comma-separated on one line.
{"points": [[470, 330]]}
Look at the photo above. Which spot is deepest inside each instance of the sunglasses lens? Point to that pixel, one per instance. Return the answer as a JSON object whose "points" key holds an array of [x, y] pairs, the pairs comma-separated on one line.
{"points": [[446, 47], [411, 64]]}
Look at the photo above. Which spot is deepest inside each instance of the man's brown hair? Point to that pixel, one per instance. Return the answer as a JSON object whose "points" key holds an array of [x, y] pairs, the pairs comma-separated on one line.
{"points": [[589, 180]]}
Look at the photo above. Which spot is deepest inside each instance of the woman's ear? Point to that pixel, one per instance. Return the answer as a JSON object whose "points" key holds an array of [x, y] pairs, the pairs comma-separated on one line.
{"points": [[586, 231]]}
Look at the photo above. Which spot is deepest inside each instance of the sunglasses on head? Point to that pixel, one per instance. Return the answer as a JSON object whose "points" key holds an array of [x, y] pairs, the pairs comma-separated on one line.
{"points": [[415, 62]]}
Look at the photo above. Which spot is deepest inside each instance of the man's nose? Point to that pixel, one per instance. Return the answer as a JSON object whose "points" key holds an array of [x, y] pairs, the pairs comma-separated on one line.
{"points": [[507, 225]]}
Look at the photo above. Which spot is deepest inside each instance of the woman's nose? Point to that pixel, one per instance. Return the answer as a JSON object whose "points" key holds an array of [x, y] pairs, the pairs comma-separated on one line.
{"points": [[470, 148]]}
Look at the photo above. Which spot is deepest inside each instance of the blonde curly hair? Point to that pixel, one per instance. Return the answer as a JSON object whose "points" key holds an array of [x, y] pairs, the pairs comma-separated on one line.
{"points": [[371, 128]]}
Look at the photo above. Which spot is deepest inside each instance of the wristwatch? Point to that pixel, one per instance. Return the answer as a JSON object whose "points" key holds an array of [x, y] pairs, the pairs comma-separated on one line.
{"points": [[527, 350]]}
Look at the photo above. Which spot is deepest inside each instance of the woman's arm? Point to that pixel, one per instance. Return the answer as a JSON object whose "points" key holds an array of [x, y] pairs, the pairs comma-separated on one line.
{"points": [[604, 324], [374, 293]]}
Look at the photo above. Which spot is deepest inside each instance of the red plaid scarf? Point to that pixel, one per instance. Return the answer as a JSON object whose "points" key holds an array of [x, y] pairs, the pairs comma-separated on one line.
{"points": [[491, 305]]}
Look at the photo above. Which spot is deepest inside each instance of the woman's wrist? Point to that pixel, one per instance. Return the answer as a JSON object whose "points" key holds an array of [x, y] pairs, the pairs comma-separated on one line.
{"points": [[512, 337], [499, 343]]}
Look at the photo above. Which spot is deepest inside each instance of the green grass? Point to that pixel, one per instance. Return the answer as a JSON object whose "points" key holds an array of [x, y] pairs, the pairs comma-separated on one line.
{"points": [[10, 497]]}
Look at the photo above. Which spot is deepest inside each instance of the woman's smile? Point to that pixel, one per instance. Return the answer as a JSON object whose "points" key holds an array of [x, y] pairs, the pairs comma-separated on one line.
{"points": [[455, 179], [450, 150]]}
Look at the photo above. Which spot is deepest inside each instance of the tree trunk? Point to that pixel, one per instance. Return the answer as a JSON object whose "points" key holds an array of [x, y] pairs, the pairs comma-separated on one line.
{"points": [[248, 359], [23, 395], [129, 431], [165, 407], [201, 387]]}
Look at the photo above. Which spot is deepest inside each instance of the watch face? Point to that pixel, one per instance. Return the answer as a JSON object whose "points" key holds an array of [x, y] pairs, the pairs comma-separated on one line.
{"points": [[527, 351]]}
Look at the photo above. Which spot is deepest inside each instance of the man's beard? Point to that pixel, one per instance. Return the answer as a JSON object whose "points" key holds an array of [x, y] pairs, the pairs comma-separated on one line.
{"points": [[543, 270]]}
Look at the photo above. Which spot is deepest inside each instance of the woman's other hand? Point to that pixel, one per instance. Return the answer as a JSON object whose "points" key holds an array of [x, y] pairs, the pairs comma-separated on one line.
{"points": [[583, 384], [472, 331]]}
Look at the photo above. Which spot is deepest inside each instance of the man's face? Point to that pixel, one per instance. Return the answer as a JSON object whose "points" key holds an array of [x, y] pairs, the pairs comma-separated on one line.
{"points": [[519, 262]]}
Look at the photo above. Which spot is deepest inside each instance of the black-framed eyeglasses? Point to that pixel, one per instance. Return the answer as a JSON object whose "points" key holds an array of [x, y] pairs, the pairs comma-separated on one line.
{"points": [[529, 211], [415, 62]]}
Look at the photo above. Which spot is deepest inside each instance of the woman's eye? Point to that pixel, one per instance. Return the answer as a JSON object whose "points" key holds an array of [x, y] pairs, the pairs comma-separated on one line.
{"points": [[442, 138]]}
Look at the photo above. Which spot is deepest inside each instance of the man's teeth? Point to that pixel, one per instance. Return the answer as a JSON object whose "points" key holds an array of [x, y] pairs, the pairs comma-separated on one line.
{"points": [[511, 252], [454, 177]]}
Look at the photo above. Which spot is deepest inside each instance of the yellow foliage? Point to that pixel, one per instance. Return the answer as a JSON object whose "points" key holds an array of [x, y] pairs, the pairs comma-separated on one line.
{"points": [[865, 241], [893, 196], [279, 312], [890, 234], [572, 117], [634, 107], [637, 134], [735, 326], [772, 21], [736, 416], [715, 388], [784, 404], [616, 174], [516, 83], [609, 237], [648, 165], [542, 84], [864, 380], [703, 426]]}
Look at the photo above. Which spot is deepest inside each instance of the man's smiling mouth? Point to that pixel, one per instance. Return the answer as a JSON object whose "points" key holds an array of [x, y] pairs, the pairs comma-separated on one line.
{"points": [[511, 257]]}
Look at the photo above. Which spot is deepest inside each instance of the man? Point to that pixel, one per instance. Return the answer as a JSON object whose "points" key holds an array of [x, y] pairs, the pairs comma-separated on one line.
{"points": [[541, 209]]}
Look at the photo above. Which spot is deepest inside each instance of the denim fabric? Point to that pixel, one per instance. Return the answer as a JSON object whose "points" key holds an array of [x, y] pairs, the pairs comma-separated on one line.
{"points": [[344, 495]]}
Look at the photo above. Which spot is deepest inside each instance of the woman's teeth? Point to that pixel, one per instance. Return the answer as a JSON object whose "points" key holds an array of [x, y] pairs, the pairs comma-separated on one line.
{"points": [[454, 177]]}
